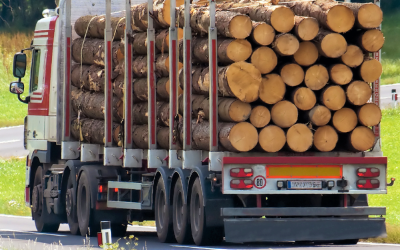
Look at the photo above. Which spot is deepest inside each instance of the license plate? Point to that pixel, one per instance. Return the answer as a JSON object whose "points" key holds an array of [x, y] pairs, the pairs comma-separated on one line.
{"points": [[304, 185]]}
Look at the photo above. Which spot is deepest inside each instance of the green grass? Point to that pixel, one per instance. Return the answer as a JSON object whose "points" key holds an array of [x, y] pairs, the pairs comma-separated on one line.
{"points": [[391, 71], [12, 187]]}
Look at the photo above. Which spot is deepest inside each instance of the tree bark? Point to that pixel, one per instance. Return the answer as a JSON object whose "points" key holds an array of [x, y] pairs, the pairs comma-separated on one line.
{"points": [[307, 54], [325, 138], [292, 74], [333, 97], [304, 98], [92, 131], [344, 120], [272, 139], [92, 52], [319, 115], [92, 77], [162, 39], [316, 77], [332, 45], [97, 25], [369, 115], [284, 114], [263, 34], [140, 113], [140, 136], [370, 70], [272, 89], [369, 40], [260, 116], [299, 138], [360, 139], [92, 105], [353, 57], [340, 74], [285, 44], [368, 15], [139, 66], [264, 59], [306, 28], [330, 14], [358, 93]]}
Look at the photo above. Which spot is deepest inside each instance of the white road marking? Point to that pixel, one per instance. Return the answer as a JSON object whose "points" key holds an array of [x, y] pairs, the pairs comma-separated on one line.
{"points": [[25, 232], [11, 127], [11, 141], [378, 244], [15, 216]]}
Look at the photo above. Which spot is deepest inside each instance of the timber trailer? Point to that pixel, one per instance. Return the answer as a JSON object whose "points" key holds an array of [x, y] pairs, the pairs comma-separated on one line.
{"points": [[191, 194]]}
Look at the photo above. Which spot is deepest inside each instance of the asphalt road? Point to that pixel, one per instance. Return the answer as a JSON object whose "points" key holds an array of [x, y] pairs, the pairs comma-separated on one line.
{"points": [[19, 233], [386, 94], [12, 142]]}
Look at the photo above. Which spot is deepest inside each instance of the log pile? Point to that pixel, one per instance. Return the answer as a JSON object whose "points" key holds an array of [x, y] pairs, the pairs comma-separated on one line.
{"points": [[293, 75]]}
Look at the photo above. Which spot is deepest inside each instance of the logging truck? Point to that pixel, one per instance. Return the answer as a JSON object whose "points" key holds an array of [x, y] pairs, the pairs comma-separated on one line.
{"points": [[135, 113]]}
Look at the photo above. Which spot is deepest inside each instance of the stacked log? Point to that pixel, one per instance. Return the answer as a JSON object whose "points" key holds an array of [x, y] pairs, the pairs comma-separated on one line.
{"points": [[293, 75]]}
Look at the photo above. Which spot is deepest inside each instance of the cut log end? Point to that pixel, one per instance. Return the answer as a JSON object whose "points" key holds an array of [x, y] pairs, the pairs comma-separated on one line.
{"points": [[264, 59], [316, 77], [353, 57], [243, 137], [307, 54], [340, 74], [361, 139], [304, 98], [263, 34], [319, 115], [272, 139], [371, 70], [240, 27], [239, 50], [369, 115], [340, 19], [286, 44], [166, 10], [325, 139], [292, 74], [284, 114], [299, 138], [369, 16], [239, 111], [282, 19], [333, 45], [334, 97], [272, 89], [358, 93], [372, 40], [345, 120], [307, 29], [260, 116]]}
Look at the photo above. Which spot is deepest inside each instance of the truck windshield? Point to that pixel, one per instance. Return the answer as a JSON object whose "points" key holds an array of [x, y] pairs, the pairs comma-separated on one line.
{"points": [[35, 70]]}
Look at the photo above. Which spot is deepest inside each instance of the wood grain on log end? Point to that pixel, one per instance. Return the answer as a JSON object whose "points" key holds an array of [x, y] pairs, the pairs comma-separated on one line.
{"points": [[325, 138], [340, 19], [316, 77], [286, 44], [333, 97], [361, 139], [372, 40], [260, 116], [299, 138], [306, 28], [284, 114], [304, 98], [370, 70], [240, 27], [333, 45], [358, 93], [272, 138], [353, 57], [369, 115], [340, 74], [319, 115], [292, 74], [243, 136], [264, 59], [307, 54], [239, 50], [368, 15], [233, 110], [344, 120], [272, 89], [282, 19], [263, 34]]}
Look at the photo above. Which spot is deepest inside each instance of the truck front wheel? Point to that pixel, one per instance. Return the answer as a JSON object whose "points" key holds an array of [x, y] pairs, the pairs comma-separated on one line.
{"points": [[163, 214], [39, 210]]}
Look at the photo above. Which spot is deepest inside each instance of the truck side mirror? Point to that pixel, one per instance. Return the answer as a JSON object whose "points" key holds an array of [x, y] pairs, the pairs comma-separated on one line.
{"points": [[19, 65], [17, 88]]}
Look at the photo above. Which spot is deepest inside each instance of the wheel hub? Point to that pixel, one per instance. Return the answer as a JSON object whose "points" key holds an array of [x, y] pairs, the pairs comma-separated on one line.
{"points": [[68, 202]]}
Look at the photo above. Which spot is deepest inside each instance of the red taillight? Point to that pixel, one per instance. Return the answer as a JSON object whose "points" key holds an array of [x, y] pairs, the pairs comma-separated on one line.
{"points": [[368, 184], [102, 189], [241, 172], [241, 184], [368, 172], [116, 190]]}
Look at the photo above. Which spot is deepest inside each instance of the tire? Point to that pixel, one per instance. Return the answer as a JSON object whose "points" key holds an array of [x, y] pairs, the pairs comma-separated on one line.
{"points": [[202, 235], [163, 214], [180, 215], [70, 207], [39, 210], [87, 224]]}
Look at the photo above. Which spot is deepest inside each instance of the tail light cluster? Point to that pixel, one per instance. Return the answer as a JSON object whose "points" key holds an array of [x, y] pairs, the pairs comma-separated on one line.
{"points": [[241, 173], [368, 173]]}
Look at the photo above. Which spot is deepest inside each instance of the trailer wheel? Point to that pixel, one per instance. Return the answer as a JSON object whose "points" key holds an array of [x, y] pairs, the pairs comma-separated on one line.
{"points": [[163, 214], [202, 235], [180, 215], [70, 207], [87, 225], [39, 211]]}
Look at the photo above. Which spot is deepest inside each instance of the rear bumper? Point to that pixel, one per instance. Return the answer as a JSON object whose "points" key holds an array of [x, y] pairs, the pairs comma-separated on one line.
{"points": [[302, 224]]}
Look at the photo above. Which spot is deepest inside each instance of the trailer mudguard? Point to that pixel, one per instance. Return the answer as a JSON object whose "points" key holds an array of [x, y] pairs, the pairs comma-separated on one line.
{"points": [[181, 175], [42, 155], [166, 174]]}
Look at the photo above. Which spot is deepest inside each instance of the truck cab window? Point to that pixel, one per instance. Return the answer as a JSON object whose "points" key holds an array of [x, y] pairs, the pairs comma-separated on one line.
{"points": [[35, 71]]}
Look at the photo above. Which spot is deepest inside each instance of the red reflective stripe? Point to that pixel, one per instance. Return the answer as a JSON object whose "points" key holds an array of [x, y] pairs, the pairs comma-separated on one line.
{"points": [[129, 95], [173, 86], [109, 93], [42, 36], [67, 89], [188, 94], [42, 31], [214, 93], [153, 96], [304, 160], [36, 98], [42, 109]]}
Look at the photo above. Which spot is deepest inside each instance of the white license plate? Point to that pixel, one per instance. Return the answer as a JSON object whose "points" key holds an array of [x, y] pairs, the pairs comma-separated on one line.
{"points": [[304, 185]]}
